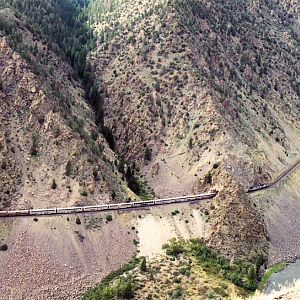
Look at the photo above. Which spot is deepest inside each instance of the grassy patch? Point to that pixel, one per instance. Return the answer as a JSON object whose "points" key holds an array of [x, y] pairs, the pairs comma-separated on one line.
{"points": [[115, 285], [145, 192], [194, 257], [244, 274], [275, 269]]}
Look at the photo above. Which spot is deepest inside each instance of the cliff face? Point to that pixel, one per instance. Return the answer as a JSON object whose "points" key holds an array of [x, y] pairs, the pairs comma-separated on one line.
{"points": [[198, 82], [51, 151]]}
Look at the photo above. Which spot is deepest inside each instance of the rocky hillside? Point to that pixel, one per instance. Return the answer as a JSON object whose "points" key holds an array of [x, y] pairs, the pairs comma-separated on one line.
{"points": [[191, 83], [189, 92], [187, 270], [51, 151]]}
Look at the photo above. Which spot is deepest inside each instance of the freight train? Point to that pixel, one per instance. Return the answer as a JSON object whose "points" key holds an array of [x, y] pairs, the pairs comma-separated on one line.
{"points": [[105, 207]]}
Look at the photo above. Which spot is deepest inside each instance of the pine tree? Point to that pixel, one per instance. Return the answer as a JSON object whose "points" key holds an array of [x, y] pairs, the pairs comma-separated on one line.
{"points": [[143, 265], [54, 185]]}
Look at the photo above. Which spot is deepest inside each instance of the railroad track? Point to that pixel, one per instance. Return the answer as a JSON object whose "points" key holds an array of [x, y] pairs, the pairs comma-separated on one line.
{"points": [[138, 204]]}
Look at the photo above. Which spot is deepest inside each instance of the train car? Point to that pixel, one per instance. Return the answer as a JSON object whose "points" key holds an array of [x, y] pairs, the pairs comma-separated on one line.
{"points": [[78, 209], [43, 211], [65, 210], [3, 213], [95, 207], [91, 208], [150, 202], [136, 204], [264, 186], [125, 205], [257, 188], [171, 200], [24, 212], [209, 195], [140, 204], [113, 206], [156, 201]]}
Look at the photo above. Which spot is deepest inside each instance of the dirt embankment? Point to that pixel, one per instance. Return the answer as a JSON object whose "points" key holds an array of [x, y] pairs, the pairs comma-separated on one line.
{"points": [[237, 229], [56, 258], [280, 207]]}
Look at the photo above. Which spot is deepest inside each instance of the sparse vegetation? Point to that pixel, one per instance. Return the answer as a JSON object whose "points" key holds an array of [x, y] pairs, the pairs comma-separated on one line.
{"points": [[175, 247], [265, 278], [208, 178], [198, 76], [134, 183], [114, 286], [241, 273], [192, 257]]}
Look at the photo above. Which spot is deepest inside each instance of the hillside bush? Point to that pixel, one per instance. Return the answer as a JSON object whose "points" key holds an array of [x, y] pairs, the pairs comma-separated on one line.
{"points": [[34, 145], [109, 218], [68, 168], [114, 286], [143, 265], [54, 184], [3, 247], [174, 248]]}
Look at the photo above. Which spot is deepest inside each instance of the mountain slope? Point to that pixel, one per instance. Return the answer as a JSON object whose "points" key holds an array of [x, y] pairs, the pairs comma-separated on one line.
{"points": [[52, 153], [196, 82], [196, 95]]}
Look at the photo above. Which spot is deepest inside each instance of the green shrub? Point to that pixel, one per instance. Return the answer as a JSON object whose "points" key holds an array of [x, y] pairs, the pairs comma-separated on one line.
{"points": [[84, 193], [68, 168], [78, 221], [240, 273], [174, 248], [3, 247], [54, 185], [177, 293], [35, 145], [113, 287], [208, 178], [124, 289], [215, 165], [148, 154], [143, 265], [268, 273], [175, 212], [190, 143], [185, 270], [109, 218], [95, 173]]}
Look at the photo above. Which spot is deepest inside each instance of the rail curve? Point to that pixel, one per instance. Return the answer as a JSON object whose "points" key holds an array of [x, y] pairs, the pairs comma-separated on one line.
{"points": [[138, 204]]}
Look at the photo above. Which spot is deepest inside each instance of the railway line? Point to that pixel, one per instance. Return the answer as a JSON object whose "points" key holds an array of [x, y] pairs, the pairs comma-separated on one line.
{"points": [[138, 204]]}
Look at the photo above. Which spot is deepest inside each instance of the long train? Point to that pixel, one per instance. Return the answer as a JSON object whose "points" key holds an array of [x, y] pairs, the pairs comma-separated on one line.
{"points": [[105, 207], [257, 188]]}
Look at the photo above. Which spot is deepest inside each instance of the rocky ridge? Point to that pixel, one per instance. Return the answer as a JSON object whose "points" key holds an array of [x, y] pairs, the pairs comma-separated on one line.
{"points": [[51, 151], [199, 82]]}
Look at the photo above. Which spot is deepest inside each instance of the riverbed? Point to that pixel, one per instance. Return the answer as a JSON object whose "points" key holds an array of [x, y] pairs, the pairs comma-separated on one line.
{"points": [[286, 276]]}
